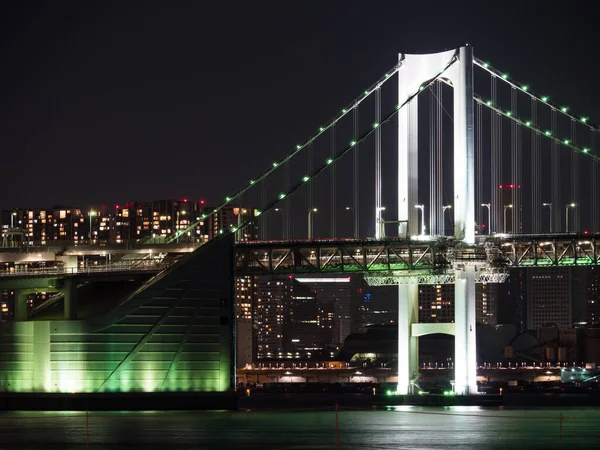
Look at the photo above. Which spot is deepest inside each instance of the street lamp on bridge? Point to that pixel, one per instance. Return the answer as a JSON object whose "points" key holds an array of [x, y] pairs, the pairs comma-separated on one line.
{"points": [[505, 208], [379, 222], [422, 208], [444, 208], [549, 205], [313, 210], [489, 208], [570, 205]]}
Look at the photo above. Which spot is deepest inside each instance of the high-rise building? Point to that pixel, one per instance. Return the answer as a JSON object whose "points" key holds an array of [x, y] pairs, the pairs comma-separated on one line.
{"points": [[334, 301], [436, 303], [593, 297], [549, 297], [273, 294], [246, 289]]}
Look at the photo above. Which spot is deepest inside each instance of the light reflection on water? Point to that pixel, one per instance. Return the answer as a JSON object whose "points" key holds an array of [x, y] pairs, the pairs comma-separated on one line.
{"points": [[394, 427]]}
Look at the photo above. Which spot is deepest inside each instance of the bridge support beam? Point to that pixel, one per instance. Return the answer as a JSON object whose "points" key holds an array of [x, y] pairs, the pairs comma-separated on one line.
{"points": [[408, 345], [70, 299], [20, 304], [465, 350]]}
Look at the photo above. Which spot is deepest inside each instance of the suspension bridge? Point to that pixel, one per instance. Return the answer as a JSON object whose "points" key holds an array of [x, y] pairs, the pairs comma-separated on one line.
{"points": [[445, 170]]}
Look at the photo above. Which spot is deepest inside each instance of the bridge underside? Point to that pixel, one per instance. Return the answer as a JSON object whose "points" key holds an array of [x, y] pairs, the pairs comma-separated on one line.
{"points": [[174, 334]]}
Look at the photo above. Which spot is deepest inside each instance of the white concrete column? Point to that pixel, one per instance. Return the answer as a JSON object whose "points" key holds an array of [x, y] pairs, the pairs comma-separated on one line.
{"points": [[465, 350], [408, 345], [464, 149], [408, 151]]}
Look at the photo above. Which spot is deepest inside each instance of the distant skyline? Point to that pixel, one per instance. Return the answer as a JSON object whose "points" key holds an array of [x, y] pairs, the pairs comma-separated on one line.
{"points": [[115, 102]]}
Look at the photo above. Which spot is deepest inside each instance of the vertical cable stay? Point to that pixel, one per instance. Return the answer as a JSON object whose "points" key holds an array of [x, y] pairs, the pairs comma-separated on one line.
{"points": [[356, 177], [555, 175], [496, 163], [536, 200], [575, 180], [479, 169], [333, 187], [287, 205], [595, 185], [264, 232], [515, 166], [310, 199], [436, 214], [377, 162]]}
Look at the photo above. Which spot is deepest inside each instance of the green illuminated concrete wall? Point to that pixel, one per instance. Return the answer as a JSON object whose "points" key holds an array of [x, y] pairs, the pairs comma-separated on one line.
{"points": [[175, 334]]}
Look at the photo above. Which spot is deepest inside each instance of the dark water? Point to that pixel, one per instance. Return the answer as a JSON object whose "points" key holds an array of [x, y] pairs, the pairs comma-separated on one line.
{"points": [[394, 428]]}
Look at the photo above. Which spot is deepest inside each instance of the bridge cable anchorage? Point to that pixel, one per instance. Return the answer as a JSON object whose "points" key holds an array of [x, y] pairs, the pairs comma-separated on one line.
{"points": [[330, 161], [526, 90], [300, 147]]}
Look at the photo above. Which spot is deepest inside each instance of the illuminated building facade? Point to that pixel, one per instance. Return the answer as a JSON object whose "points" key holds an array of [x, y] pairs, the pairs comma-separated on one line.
{"points": [[436, 303], [174, 334], [129, 222], [593, 297], [549, 297], [246, 290]]}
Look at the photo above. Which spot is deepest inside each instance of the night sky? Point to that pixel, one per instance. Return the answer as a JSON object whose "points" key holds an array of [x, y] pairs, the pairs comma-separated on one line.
{"points": [[107, 102]]}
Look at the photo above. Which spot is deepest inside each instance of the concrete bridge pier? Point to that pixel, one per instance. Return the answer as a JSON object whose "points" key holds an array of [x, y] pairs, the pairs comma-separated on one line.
{"points": [[69, 290], [408, 345], [20, 304], [465, 350], [66, 286]]}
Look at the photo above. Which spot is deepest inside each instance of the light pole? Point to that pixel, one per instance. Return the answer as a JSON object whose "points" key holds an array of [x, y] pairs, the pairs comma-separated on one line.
{"points": [[12, 218], [378, 222], [570, 205], [92, 214], [549, 205], [310, 222], [489, 208], [283, 223], [444, 208], [422, 208], [505, 208]]}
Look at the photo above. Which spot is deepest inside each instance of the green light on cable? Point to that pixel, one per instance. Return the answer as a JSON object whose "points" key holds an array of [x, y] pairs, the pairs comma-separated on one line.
{"points": [[504, 76], [366, 92], [489, 103], [567, 141], [397, 107], [375, 125], [586, 150], [281, 196], [525, 88], [252, 181], [547, 133], [352, 143], [508, 113], [298, 147], [321, 129], [227, 199], [344, 111], [545, 98], [305, 178], [329, 161], [584, 119], [528, 123], [564, 109], [485, 65], [275, 164]]}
